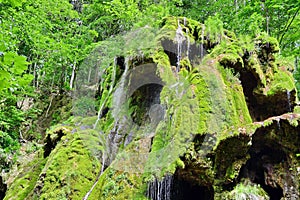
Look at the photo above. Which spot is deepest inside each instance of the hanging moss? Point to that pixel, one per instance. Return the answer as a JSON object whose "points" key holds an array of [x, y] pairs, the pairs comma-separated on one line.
{"points": [[266, 42], [281, 82]]}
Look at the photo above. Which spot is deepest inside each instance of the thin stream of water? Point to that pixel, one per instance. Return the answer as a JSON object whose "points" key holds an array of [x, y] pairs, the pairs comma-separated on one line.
{"points": [[160, 189], [288, 93]]}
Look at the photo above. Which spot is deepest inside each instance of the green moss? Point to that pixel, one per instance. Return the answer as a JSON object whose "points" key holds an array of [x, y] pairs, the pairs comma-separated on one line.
{"points": [[89, 121], [214, 29], [247, 44], [114, 184], [24, 184], [70, 170], [170, 25], [58, 131], [285, 63], [218, 118], [186, 64], [256, 70], [205, 100], [264, 41], [239, 112], [233, 170], [244, 190], [281, 82], [297, 109]]}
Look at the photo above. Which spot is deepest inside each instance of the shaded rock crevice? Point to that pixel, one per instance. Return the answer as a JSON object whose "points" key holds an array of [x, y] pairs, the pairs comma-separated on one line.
{"points": [[271, 163], [52, 140]]}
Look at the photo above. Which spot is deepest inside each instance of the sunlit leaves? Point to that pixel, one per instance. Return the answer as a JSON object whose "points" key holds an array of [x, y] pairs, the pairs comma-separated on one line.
{"points": [[12, 66]]}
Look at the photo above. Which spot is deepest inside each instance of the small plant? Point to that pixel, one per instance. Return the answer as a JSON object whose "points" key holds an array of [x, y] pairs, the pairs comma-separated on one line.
{"points": [[248, 190]]}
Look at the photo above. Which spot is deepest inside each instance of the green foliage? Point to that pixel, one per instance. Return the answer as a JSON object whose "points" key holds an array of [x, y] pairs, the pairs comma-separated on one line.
{"points": [[214, 28], [12, 67], [247, 190], [14, 85], [49, 34], [111, 17], [282, 82]]}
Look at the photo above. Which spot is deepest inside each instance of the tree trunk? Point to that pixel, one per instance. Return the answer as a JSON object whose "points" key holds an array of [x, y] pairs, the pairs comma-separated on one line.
{"points": [[73, 75]]}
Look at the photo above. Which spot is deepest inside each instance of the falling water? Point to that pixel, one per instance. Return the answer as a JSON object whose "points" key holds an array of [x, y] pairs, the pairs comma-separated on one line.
{"points": [[188, 46], [179, 38], [278, 124], [288, 93], [267, 23], [188, 38], [184, 21], [160, 190]]}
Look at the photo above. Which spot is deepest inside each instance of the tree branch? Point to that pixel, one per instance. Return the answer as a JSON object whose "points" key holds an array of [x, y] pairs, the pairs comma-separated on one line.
{"points": [[288, 26]]}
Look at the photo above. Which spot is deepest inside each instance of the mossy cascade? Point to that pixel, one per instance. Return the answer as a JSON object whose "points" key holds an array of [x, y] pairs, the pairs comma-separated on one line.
{"points": [[209, 104]]}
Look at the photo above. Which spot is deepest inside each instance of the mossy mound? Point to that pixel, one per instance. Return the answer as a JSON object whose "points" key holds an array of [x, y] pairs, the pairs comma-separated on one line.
{"points": [[66, 171], [24, 184]]}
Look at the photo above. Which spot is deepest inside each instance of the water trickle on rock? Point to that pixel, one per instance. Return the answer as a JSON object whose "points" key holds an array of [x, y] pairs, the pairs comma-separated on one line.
{"points": [[160, 190], [188, 45], [288, 94], [179, 39], [278, 124]]}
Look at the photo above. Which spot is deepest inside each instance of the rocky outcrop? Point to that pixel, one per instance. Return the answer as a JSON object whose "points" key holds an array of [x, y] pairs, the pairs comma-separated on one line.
{"points": [[187, 110]]}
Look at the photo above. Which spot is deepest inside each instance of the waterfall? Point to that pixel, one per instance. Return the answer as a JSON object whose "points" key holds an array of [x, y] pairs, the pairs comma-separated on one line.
{"points": [[278, 124], [288, 93], [179, 38], [160, 190], [183, 43]]}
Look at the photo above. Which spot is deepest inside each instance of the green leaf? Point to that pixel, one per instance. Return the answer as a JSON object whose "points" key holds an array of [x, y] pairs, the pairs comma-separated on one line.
{"points": [[9, 58], [4, 75], [4, 84], [20, 65], [25, 80]]}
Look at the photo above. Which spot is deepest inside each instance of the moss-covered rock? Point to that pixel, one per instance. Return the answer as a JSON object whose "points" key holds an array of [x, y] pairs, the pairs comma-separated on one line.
{"points": [[24, 184], [201, 106], [66, 172]]}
